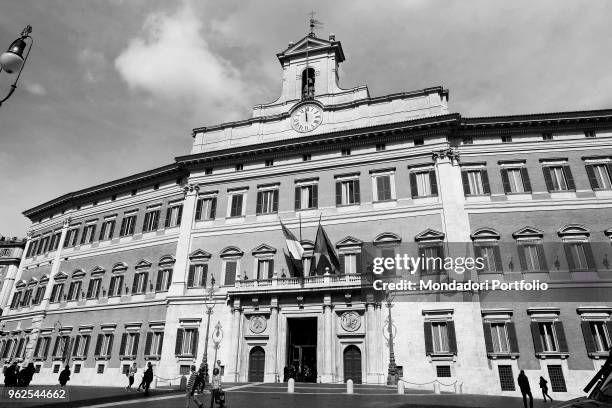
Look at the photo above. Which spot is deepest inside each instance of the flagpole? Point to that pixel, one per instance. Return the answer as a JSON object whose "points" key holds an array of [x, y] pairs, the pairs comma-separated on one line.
{"points": [[300, 228]]}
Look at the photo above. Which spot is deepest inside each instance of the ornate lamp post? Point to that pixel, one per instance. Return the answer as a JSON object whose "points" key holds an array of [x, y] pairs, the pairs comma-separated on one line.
{"points": [[392, 376], [209, 303], [13, 60]]}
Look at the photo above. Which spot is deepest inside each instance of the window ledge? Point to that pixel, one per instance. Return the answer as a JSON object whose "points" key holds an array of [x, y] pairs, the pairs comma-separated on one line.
{"points": [[98, 358], [495, 356], [598, 354], [552, 354], [442, 356], [185, 356], [152, 357], [127, 357], [79, 358]]}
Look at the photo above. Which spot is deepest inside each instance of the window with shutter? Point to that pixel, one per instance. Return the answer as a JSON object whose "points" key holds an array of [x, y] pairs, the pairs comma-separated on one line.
{"points": [[230, 272]]}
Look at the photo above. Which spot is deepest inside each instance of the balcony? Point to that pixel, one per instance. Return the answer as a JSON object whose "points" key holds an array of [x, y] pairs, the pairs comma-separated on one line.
{"points": [[283, 284]]}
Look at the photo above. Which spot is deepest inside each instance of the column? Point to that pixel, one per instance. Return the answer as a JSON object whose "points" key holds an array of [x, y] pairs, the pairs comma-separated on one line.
{"points": [[235, 335], [271, 355], [179, 273], [327, 335], [380, 369], [55, 267], [371, 350]]}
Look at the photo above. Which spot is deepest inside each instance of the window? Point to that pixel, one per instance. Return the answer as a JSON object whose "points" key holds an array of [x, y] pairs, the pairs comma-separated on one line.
{"points": [[531, 257], [206, 208], [307, 157], [27, 296], [423, 183], [77, 368], [74, 290], [164, 279], [596, 336], [515, 180], [345, 152], [208, 171], [239, 167], [151, 220], [230, 272], [55, 238], [349, 263], [432, 258], [506, 139], [93, 290], [155, 186], [381, 147], [56, 368], [599, 176], [579, 256], [88, 234], [506, 378], [5, 251], [499, 337], [347, 192], [115, 286], [100, 369], [57, 293], [16, 300], [134, 192], [264, 268], [443, 371], [306, 196], [32, 248], [139, 285], [439, 336], [38, 296], [236, 205], [186, 342], [383, 190], [419, 141], [185, 369], [558, 178], [173, 215], [60, 348], [104, 345], [491, 257], [81, 345], [153, 343], [44, 243], [107, 229], [267, 202], [129, 344], [197, 276], [475, 182], [308, 83], [547, 336], [71, 237], [547, 136], [42, 347], [557, 381], [127, 225], [269, 163]]}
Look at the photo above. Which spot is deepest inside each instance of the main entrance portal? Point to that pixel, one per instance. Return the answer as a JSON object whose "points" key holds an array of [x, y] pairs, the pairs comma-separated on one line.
{"points": [[301, 350]]}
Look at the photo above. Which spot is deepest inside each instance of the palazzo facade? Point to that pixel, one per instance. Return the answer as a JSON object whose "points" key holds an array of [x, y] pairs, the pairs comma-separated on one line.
{"points": [[123, 271]]}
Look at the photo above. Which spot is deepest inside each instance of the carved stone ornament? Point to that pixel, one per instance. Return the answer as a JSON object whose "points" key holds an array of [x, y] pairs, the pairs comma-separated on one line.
{"points": [[350, 321], [449, 153], [258, 324]]}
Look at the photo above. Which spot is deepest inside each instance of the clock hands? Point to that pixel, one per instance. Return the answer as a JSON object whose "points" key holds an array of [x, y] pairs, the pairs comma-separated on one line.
{"points": [[306, 112]]}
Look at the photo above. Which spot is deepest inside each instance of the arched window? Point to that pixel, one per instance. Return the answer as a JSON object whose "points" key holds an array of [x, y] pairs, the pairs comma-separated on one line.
{"points": [[308, 83]]}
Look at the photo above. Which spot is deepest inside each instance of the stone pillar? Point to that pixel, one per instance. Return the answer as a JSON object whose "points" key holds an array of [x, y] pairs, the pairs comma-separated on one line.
{"points": [[179, 272], [380, 369], [55, 267], [326, 377], [234, 346], [272, 354], [371, 344], [13, 274]]}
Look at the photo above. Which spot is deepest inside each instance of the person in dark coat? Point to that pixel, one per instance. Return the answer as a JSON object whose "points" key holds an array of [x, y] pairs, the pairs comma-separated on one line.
{"points": [[25, 375], [64, 376], [523, 383], [11, 375], [544, 387], [148, 378], [285, 374]]}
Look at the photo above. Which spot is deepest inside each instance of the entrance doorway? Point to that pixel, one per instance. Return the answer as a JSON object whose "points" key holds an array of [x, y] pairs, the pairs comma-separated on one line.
{"points": [[352, 364], [301, 350], [257, 360]]}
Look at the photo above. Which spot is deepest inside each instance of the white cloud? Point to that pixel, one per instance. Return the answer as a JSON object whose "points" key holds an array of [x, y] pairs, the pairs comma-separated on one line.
{"points": [[171, 60], [34, 88]]}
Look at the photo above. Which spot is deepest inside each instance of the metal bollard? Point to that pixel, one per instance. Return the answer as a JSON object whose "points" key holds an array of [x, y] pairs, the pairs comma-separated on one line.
{"points": [[349, 386], [400, 387], [436, 387], [291, 386]]}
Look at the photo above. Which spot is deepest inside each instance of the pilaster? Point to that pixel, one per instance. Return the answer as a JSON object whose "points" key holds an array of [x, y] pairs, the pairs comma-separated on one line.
{"points": [[271, 373], [327, 375], [12, 275], [55, 267]]}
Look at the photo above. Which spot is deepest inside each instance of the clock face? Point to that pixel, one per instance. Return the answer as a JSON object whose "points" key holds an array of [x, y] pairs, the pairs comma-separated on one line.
{"points": [[306, 118]]}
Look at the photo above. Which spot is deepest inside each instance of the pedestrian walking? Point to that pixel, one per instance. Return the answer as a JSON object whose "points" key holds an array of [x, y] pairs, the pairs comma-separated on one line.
{"points": [[192, 386], [131, 374], [25, 375], [215, 390], [64, 376], [10, 375], [523, 383], [148, 378], [544, 387]]}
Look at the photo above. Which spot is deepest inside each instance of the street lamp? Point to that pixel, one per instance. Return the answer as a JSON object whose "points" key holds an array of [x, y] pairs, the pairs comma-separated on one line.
{"points": [[209, 303], [13, 60], [392, 371]]}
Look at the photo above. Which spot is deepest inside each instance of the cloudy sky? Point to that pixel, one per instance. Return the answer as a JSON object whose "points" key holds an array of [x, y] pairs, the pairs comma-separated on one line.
{"points": [[114, 87]]}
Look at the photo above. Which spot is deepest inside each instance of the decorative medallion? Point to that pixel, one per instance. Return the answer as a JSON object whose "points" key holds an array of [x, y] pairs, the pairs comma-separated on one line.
{"points": [[350, 321], [258, 324]]}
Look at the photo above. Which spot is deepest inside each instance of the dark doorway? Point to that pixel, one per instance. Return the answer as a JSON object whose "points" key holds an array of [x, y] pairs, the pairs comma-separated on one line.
{"points": [[308, 83], [301, 350], [257, 360], [352, 364]]}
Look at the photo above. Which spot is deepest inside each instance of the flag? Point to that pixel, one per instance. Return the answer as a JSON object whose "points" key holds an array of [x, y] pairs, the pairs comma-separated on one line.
{"points": [[296, 251], [324, 253], [294, 265]]}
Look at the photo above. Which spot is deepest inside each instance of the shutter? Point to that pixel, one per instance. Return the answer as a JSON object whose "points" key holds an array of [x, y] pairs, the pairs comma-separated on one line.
{"points": [[270, 269], [590, 171], [452, 338], [204, 275], [179, 341], [135, 283], [537, 340], [477, 251], [168, 213], [156, 215], [357, 193], [414, 191], [145, 282], [190, 276], [82, 237], [499, 267], [297, 198], [589, 341], [135, 344], [194, 344], [522, 260], [561, 339], [338, 193], [36, 349], [112, 230], [75, 347], [505, 181], [55, 346], [512, 339], [380, 189], [93, 233], [122, 230], [485, 182], [198, 211], [258, 209], [161, 342], [102, 229], [111, 286], [111, 339], [609, 327], [47, 344], [341, 259], [179, 216], [568, 254], [90, 288], [466, 182], [567, 172], [542, 257], [158, 283], [487, 337], [86, 348], [358, 265], [275, 201], [169, 281], [433, 183], [98, 344], [315, 195], [547, 178], [148, 342], [213, 208], [588, 252], [428, 339], [526, 181], [230, 272], [123, 342]]}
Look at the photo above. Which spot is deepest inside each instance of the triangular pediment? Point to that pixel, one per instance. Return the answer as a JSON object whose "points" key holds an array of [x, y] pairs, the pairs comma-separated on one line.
{"points": [[313, 45], [44, 279], [199, 254], [528, 232], [429, 235], [142, 264], [307, 42], [32, 281], [60, 276], [20, 284], [97, 270], [349, 242], [263, 249]]}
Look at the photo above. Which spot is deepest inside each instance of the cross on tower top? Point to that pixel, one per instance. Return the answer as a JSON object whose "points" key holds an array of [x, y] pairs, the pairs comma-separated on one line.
{"points": [[314, 24]]}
